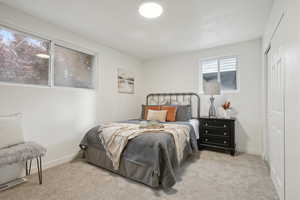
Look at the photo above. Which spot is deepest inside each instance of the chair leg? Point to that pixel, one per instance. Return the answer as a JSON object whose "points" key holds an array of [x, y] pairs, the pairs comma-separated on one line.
{"points": [[28, 168], [40, 170]]}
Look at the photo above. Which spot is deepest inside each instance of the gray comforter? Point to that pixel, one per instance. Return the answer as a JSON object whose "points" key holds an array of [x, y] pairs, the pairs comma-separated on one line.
{"points": [[149, 158]]}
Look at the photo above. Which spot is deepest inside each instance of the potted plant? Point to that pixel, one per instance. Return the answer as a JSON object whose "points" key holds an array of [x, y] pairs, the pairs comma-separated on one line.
{"points": [[226, 109]]}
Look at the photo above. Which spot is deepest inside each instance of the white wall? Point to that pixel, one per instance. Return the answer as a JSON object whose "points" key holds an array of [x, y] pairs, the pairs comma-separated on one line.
{"points": [[58, 117], [277, 10], [291, 51], [180, 73]]}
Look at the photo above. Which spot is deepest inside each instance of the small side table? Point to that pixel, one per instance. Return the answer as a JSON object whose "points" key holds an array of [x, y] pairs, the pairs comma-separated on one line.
{"points": [[217, 134]]}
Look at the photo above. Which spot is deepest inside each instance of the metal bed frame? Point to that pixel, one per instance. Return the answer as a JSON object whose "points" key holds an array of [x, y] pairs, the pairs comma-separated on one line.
{"points": [[174, 98]]}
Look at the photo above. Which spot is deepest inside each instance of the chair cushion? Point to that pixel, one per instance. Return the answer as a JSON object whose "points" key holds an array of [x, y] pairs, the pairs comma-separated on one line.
{"points": [[21, 153]]}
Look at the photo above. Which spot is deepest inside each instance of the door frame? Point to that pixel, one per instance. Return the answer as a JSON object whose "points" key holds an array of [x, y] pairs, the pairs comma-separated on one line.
{"points": [[266, 106]]}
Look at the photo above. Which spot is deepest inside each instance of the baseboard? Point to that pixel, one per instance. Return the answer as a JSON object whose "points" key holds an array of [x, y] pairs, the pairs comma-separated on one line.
{"points": [[268, 165], [12, 183], [276, 181], [56, 162], [250, 151]]}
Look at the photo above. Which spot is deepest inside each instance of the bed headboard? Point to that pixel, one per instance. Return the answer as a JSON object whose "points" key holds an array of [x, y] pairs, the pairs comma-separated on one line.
{"points": [[191, 98]]}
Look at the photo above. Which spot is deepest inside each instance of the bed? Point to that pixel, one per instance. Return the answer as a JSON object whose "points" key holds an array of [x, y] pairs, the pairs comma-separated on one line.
{"points": [[149, 158]]}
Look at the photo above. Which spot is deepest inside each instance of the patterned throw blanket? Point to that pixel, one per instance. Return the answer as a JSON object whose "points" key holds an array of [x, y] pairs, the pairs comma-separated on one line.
{"points": [[115, 136]]}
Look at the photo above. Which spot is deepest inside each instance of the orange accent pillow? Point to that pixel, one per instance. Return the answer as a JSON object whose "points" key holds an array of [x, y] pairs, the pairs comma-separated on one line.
{"points": [[150, 108], [171, 115]]}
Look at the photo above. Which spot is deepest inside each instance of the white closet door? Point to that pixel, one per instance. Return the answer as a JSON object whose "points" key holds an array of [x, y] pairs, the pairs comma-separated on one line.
{"points": [[276, 115]]}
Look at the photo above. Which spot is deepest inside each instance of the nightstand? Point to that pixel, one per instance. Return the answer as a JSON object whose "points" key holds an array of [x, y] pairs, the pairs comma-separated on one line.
{"points": [[217, 134]]}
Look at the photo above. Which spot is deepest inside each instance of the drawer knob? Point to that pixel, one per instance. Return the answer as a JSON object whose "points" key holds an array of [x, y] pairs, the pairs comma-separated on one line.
{"points": [[206, 131], [225, 142], [225, 125], [206, 140], [225, 133], [206, 124]]}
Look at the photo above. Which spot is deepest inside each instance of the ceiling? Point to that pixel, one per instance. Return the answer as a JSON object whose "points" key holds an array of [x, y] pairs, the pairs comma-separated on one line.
{"points": [[185, 25]]}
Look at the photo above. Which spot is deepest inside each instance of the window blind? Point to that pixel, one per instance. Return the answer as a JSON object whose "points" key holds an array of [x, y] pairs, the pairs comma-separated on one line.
{"points": [[210, 66], [223, 70], [228, 64]]}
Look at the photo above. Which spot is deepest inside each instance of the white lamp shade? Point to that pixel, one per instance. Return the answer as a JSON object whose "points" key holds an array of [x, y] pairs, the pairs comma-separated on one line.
{"points": [[212, 87]]}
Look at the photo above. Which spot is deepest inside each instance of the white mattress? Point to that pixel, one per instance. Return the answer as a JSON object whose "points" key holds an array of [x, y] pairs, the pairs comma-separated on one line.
{"points": [[195, 124]]}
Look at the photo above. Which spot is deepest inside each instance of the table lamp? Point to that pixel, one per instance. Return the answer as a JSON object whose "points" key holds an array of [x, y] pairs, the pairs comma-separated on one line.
{"points": [[212, 88]]}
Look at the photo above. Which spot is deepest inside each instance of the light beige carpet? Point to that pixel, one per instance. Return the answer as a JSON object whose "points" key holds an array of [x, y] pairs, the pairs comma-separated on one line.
{"points": [[213, 176]]}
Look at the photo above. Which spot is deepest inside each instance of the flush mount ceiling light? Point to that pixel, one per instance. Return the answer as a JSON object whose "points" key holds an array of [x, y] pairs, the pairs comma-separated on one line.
{"points": [[44, 56], [150, 10]]}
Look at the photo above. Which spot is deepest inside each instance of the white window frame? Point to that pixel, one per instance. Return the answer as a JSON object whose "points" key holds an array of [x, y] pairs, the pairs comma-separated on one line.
{"points": [[53, 42], [79, 49], [35, 36], [237, 90]]}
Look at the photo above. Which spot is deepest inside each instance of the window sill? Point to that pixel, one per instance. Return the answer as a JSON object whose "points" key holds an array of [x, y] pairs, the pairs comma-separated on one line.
{"points": [[222, 92], [45, 86], [23, 85]]}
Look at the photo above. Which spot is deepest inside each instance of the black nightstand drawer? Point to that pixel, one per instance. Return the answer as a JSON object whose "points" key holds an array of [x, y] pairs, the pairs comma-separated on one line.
{"points": [[216, 132], [215, 123], [219, 141]]}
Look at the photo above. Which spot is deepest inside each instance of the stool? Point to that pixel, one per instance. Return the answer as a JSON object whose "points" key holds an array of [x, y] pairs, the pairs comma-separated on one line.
{"points": [[24, 152]]}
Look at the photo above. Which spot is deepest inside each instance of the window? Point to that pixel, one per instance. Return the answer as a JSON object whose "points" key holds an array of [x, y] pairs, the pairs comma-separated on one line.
{"points": [[27, 59], [72, 68], [23, 59], [222, 70]]}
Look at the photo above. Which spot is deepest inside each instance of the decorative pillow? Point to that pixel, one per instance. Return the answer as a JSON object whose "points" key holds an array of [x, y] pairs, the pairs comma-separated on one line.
{"points": [[145, 110], [184, 112], [158, 115], [171, 114], [10, 130]]}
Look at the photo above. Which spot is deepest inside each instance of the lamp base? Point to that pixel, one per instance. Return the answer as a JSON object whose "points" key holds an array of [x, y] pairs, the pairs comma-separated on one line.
{"points": [[212, 109]]}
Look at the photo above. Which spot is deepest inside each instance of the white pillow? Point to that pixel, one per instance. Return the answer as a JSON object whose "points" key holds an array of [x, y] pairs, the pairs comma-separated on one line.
{"points": [[10, 130], [158, 115]]}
